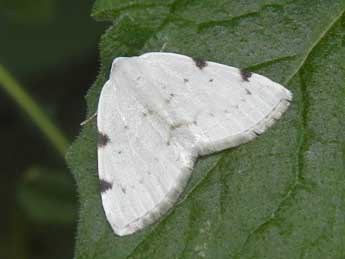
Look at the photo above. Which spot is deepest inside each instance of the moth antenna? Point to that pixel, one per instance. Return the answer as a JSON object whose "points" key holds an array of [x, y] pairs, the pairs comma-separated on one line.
{"points": [[163, 47], [88, 119]]}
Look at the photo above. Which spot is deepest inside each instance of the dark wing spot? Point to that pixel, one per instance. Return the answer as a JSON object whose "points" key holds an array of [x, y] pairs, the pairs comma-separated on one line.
{"points": [[245, 75], [123, 189], [257, 133], [102, 139], [119, 152], [248, 92], [177, 125], [144, 114], [172, 95], [150, 111], [126, 127], [211, 80], [185, 80], [200, 63], [105, 185]]}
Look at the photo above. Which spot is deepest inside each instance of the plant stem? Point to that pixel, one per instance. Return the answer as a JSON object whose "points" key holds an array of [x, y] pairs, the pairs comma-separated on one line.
{"points": [[28, 105]]}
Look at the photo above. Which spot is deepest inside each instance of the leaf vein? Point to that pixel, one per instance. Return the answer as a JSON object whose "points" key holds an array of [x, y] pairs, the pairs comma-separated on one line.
{"points": [[302, 138]]}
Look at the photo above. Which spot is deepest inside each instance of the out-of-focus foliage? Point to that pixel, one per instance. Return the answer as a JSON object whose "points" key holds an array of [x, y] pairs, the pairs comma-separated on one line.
{"points": [[50, 47], [32, 12], [38, 36], [46, 196]]}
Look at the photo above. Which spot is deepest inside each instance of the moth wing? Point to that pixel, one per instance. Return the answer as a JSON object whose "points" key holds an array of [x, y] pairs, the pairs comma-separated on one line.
{"points": [[141, 174], [222, 105], [158, 112]]}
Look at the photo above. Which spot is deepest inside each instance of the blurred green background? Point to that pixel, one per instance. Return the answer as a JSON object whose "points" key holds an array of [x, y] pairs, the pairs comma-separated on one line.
{"points": [[50, 47]]}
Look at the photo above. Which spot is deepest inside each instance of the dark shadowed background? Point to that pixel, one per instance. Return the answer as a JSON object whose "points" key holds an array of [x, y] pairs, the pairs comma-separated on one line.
{"points": [[51, 48]]}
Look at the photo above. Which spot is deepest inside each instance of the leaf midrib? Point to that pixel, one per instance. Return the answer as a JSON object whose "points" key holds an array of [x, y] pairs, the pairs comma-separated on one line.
{"points": [[299, 153]]}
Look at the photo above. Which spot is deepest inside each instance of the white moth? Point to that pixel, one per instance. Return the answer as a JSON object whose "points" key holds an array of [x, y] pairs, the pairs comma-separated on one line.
{"points": [[157, 113]]}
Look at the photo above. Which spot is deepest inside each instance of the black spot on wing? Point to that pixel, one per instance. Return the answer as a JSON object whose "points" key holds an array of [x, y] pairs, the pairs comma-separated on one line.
{"points": [[248, 92], [102, 139], [200, 63], [245, 75], [105, 185]]}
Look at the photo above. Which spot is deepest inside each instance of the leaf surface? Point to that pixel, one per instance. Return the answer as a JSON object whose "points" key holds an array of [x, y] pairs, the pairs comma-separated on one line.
{"points": [[279, 196]]}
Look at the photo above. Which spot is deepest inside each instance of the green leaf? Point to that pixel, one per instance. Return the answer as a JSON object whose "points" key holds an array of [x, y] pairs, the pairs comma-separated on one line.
{"points": [[279, 196]]}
